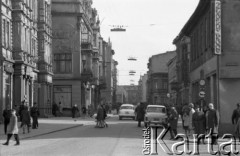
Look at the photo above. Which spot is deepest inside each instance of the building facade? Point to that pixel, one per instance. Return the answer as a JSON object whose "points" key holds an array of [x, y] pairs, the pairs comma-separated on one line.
{"points": [[183, 69], [107, 69], [172, 82], [25, 49], [142, 84], [214, 31], [43, 87], [6, 57], [157, 83], [67, 59]]}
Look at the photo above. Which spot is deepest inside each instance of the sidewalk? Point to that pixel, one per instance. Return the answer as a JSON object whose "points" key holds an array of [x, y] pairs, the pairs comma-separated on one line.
{"points": [[49, 125], [203, 148]]}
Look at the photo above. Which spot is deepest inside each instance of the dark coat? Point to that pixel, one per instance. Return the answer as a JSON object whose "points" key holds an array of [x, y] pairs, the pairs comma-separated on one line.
{"points": [[212, 120], [26, 117], [235, 116], [7, 115], [34, 112], [199, 122], [74, 110], [173, 119], [100, 114], [12, 127], [140, 112]]}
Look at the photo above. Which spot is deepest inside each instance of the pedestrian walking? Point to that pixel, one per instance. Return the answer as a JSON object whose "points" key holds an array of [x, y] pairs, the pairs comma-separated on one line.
{"points": [[191, 111], [75, 110], [6, 115], [12, 128], [54, 109], [235, 117], [60, 109], [104, 116], [21, 108], [199, 122], [35, 114], [99, 117], [107, 108], [84, 111], [26, 119], [173, 122], [140, 111], [186, 120], [212, 122]]}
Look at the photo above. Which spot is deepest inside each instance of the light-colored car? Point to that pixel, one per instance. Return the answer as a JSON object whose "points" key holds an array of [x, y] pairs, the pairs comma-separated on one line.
{"points": [[155, 114], [126, 111]]}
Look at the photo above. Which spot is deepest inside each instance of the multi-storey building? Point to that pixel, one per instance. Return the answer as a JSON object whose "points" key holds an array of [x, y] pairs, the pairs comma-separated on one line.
{"points": [[67, 59], [157, 83], [183, 69], [6, 56], [214, 31], [107, 65], [115, 81], [43, 88], [78, 53], [142, 84], [172, 82], [25, 49], [132, 94]]}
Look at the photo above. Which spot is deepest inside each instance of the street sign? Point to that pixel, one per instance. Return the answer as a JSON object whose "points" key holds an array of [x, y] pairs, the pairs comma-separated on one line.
{"points": [[202, 94]]}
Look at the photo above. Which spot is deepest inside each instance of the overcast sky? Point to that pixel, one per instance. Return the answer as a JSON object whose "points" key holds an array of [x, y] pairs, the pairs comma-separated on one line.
{"points": [[151, 26]]}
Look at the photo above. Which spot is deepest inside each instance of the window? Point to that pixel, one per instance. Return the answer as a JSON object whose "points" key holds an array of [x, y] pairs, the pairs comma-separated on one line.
{"points": [[3, 33], [165, 85], [63, 63], [7, 35]]}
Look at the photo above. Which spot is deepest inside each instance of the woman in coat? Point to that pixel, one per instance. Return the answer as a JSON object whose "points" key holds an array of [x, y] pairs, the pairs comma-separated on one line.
{"points": [[212, 122], [199, 122], [12, 129], [173, 121], [26, 119], [100, 117]]}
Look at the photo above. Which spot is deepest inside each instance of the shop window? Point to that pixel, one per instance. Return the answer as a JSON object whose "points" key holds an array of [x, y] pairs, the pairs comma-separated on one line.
{"points": [[63, 94]]}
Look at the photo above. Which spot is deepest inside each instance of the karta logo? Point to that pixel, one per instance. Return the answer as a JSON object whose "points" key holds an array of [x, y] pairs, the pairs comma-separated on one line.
{"points": [[152, 140]]}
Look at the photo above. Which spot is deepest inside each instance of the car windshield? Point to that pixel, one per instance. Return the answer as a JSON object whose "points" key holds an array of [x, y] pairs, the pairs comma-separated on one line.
{"points": [[156, 109], [126, 107]]}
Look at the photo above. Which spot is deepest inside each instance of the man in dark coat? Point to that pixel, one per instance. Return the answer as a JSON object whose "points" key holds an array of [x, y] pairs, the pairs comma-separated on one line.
{"points": [[74, 110], [26, 119], [7, 115], [140, 111], [199, 122], [173, 121], [212, 122], [235, 117], [54, 109], [34, 115], [236, 114]]}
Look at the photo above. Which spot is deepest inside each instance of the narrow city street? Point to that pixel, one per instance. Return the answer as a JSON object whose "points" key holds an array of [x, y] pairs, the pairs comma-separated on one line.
{"points": [[120, 138]]}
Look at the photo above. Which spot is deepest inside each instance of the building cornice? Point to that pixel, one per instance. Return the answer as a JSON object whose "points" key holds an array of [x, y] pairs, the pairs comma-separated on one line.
{"points": [[194, 19]]}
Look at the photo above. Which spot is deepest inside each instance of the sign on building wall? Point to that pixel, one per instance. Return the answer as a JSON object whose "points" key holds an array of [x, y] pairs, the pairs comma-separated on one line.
{"points": [[217, 25]]}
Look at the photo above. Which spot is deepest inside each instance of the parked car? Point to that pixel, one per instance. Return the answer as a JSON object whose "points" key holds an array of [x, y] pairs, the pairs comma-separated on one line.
{"points": [[155, 114], [126, 111]]}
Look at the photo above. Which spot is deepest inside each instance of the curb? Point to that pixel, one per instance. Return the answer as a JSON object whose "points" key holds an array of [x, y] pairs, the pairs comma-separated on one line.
{"points": [[63, 129]]}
